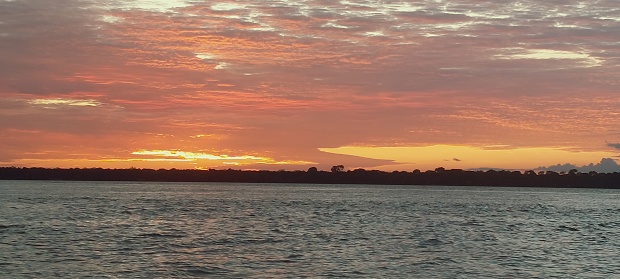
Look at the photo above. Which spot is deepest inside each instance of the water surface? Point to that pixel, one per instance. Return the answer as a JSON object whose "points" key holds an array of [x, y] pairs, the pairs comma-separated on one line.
{"points": [[211, 230]]}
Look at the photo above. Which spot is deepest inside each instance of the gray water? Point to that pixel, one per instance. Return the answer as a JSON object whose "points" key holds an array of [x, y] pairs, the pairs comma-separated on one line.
{"points": [[210, 230]]}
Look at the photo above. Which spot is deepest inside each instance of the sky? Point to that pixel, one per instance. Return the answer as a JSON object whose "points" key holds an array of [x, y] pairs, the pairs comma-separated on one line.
{"points": [[276, 84]]}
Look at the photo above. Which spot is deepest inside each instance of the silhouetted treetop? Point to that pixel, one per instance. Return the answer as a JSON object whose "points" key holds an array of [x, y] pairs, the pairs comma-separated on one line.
{"points": [[338, 168], [439, 176]]}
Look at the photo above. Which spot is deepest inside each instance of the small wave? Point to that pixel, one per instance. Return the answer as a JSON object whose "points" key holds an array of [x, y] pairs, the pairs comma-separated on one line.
{"points": [[608, 225], [294, 256], [11, 226], [567, 228], [243, 241], [163, 235], [430, 242], [474, 223], [284, 261], [205, 271]]}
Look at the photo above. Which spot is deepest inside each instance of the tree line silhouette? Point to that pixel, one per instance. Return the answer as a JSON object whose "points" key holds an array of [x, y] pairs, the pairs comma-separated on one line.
{"points": [[337, 175]]}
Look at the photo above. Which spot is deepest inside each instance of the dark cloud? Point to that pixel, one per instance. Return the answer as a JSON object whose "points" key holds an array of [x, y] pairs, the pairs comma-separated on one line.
{"points": [[45, 43], [614, 145], [606, 165]]}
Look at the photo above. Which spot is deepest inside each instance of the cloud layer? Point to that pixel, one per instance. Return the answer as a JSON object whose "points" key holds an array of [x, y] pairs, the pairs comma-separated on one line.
{"points": [[89, 81]]}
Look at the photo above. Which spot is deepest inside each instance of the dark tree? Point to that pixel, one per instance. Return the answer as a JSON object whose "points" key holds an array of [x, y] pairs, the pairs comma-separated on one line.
{"points": [[338, 168], [440, 176]]}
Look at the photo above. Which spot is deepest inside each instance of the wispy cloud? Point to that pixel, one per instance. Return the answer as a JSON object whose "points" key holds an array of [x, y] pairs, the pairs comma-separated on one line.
{"points": [[51, 103]]}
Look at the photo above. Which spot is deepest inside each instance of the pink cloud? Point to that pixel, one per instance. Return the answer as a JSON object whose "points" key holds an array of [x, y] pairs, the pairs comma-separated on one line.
{"points": [[287, 78]]}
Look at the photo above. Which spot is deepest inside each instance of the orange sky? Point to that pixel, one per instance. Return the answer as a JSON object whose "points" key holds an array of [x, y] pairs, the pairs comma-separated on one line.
{"points": [[391, 85]]}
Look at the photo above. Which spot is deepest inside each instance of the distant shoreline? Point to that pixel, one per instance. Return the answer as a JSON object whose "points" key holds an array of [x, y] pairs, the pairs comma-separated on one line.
{"points": [[439, 176]]}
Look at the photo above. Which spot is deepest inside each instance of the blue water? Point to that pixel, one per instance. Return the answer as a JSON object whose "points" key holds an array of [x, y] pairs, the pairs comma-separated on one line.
{"points": [[211, 230]]}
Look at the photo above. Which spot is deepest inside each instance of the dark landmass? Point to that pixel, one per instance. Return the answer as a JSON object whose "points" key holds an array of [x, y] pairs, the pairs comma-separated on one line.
{"points": [[439, 176]]}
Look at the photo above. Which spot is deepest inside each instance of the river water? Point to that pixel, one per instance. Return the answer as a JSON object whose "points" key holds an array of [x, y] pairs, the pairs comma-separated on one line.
{"points": [[217, 230]]}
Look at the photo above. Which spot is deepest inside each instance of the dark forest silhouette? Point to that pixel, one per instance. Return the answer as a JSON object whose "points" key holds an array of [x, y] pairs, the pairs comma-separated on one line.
{"points": [[439, 176]]}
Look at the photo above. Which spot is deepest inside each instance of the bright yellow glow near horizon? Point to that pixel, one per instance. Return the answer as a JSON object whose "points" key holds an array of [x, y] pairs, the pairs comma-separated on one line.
{"points": [[227, 160], [195, 156], [469, 157]]}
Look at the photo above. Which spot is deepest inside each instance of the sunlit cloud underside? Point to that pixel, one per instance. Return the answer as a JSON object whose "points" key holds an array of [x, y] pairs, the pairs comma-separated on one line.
{"points": [[50, 103], [226, 160]]}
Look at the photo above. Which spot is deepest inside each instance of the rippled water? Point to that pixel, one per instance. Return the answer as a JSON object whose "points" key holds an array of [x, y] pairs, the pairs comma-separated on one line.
{"points": [[186, 230]]}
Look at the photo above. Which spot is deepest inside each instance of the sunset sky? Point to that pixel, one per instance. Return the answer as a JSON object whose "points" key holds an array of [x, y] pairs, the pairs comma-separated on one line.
{"points": [[276, 84]]}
